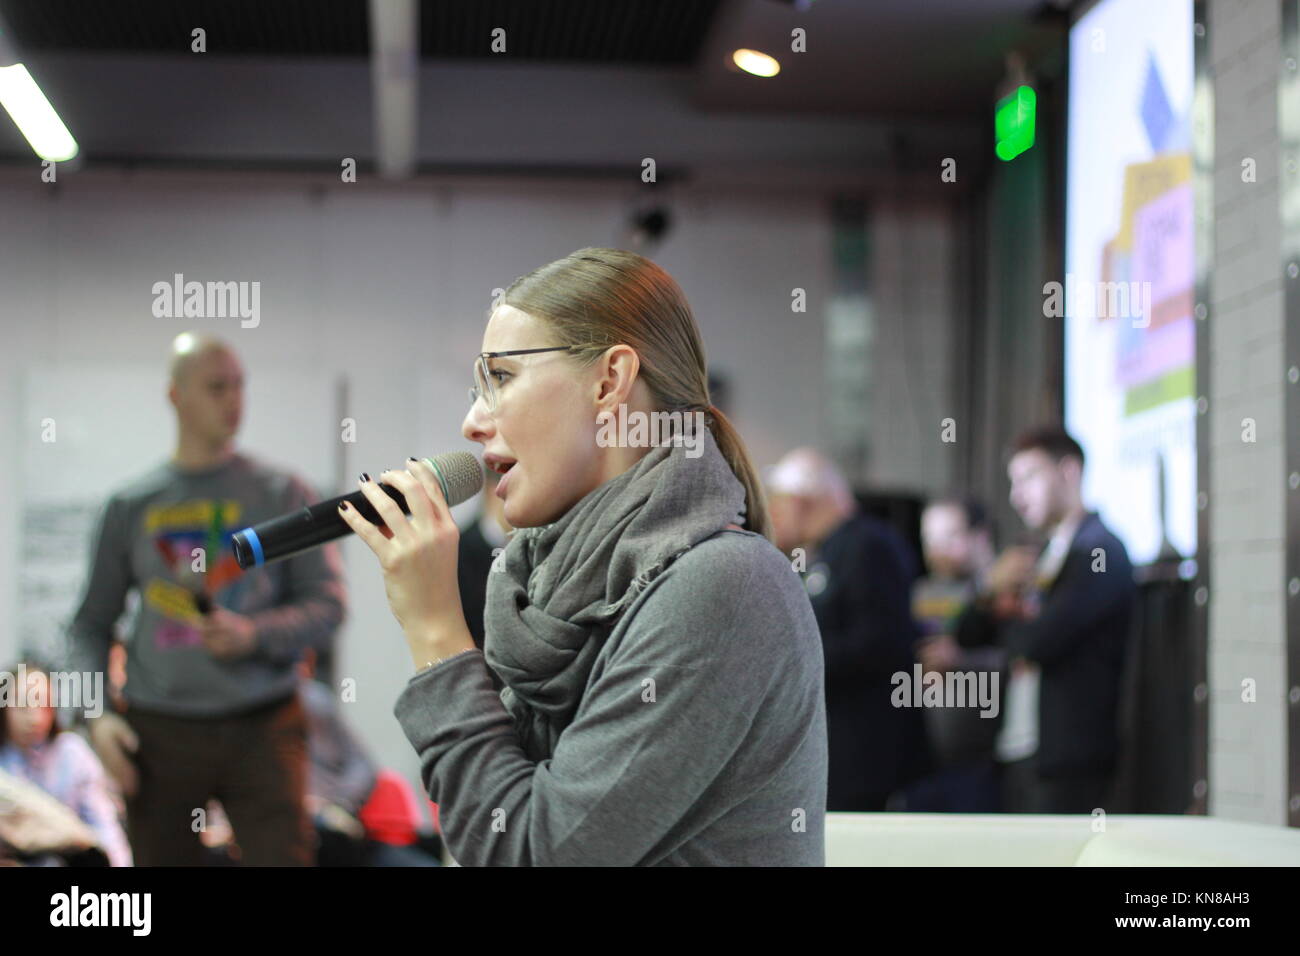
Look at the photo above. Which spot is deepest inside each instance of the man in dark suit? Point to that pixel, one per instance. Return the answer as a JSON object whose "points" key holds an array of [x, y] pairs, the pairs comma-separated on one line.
{"points": [[1059, 619], [858, 573]]}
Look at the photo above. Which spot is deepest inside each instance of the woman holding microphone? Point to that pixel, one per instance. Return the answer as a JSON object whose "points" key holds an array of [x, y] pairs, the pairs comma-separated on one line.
{"points": [[663, 668]]}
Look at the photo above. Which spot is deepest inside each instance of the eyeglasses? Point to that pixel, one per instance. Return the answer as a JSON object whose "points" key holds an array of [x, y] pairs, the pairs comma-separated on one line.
{"points": [[485, 385]]}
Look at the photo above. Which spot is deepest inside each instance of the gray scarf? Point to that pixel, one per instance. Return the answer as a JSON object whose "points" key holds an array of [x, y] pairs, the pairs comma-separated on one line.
{"points": [[556, 592]]}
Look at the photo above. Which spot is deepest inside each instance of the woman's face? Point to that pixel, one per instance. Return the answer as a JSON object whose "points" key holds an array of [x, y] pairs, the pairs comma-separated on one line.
{"points": [[29, 725], [545, 422]]}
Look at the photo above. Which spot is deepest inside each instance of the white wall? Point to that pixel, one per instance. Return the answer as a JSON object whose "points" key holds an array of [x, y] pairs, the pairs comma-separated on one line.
{"points": [[386, 287]]}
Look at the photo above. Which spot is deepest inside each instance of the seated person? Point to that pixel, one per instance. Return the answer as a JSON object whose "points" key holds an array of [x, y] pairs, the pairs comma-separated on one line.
{"points": [[341, 780], [37, 830], [59, 762], [958, 550]]}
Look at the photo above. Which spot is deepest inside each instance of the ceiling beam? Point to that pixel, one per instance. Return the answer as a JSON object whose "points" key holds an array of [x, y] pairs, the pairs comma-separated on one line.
{"points": [[394, 77]]}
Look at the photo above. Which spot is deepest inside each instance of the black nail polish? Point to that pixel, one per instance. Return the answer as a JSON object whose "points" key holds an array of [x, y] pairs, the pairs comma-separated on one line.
{"points": [[364, 476], [343, 506], [412, 458]]}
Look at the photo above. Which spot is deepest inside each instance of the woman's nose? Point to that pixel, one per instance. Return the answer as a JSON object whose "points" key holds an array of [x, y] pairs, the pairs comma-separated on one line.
{"points": [[476, 425]]}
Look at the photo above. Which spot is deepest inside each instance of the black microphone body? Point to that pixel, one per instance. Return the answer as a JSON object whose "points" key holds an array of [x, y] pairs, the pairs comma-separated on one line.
{"points": [[459, 474]]}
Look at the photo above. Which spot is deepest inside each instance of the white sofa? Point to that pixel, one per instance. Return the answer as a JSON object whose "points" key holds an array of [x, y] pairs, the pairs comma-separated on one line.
{"points": [[1006, 839]]}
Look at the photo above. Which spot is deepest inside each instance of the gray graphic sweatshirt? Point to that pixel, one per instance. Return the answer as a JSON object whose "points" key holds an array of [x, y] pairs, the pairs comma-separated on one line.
{"points": [[146, 539], [700, 738]]}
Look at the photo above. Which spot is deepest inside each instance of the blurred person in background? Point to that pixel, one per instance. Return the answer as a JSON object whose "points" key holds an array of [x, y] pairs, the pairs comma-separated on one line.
{"points": [[958, 551], [341, 782], [1061, 616], [60, 762], [957, 547], [858, 576], [211, 697]]}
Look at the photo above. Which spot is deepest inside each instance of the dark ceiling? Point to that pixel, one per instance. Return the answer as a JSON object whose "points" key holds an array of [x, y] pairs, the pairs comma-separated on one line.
{"points": [[583, 84], [650, 32]]}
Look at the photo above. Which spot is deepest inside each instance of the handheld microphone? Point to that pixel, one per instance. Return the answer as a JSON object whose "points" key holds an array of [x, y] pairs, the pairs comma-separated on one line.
{"points": [[459, 474]]}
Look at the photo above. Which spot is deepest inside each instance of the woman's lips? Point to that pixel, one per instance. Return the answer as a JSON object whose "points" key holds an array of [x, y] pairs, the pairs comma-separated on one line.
{"points": [[501, 485]]}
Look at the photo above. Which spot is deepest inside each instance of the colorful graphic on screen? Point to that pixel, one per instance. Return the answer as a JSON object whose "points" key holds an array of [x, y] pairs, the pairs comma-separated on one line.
{"points": [[1130, 270]]}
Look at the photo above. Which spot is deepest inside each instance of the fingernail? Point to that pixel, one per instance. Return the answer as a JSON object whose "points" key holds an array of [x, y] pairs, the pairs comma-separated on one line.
{"points": [[343, 506], [365, 476], [412, 458]]}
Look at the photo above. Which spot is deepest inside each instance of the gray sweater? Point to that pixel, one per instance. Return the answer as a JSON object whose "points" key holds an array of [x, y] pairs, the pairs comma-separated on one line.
{"points": [[700, 738], [145, 539]]}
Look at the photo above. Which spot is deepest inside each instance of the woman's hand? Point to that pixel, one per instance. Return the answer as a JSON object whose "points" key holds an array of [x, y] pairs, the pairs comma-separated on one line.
{"points": [[418, 557]]}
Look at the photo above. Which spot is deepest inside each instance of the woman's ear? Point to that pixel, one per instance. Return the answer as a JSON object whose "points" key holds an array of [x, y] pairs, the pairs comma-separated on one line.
{"points": [[619, 367]]}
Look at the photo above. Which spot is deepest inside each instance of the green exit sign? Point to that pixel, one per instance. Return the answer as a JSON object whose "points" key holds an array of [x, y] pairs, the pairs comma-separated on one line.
{"points": [[1013, 123]]}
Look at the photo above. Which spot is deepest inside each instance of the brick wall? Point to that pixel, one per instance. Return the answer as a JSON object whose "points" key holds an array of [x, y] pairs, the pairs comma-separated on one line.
{"points": [[1247, 741]]}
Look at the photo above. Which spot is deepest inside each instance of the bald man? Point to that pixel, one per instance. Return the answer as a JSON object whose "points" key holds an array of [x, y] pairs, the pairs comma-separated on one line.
{"points": [[858, 574], [211, 698]]}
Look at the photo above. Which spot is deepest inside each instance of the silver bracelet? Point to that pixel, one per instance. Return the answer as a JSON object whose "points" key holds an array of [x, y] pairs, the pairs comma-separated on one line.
{"points": [[438, 660]]}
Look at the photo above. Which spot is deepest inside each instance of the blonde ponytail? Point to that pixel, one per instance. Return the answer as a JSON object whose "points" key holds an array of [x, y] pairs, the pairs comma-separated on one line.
{"points": [[733, 450]]}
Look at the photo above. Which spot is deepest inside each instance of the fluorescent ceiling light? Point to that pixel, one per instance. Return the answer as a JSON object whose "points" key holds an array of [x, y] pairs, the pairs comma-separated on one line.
{"points": [[34, 116]]}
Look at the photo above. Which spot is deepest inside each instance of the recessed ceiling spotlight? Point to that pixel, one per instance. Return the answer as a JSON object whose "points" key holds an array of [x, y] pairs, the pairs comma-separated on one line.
{"points": [[760, 64]]}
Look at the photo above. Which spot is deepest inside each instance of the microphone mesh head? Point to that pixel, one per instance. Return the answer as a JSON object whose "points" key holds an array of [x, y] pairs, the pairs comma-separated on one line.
{"points": [[461, 473]]}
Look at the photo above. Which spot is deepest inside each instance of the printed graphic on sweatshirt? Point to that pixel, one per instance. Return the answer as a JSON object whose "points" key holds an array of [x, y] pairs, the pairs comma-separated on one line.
{"points": [[176, 530]]}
